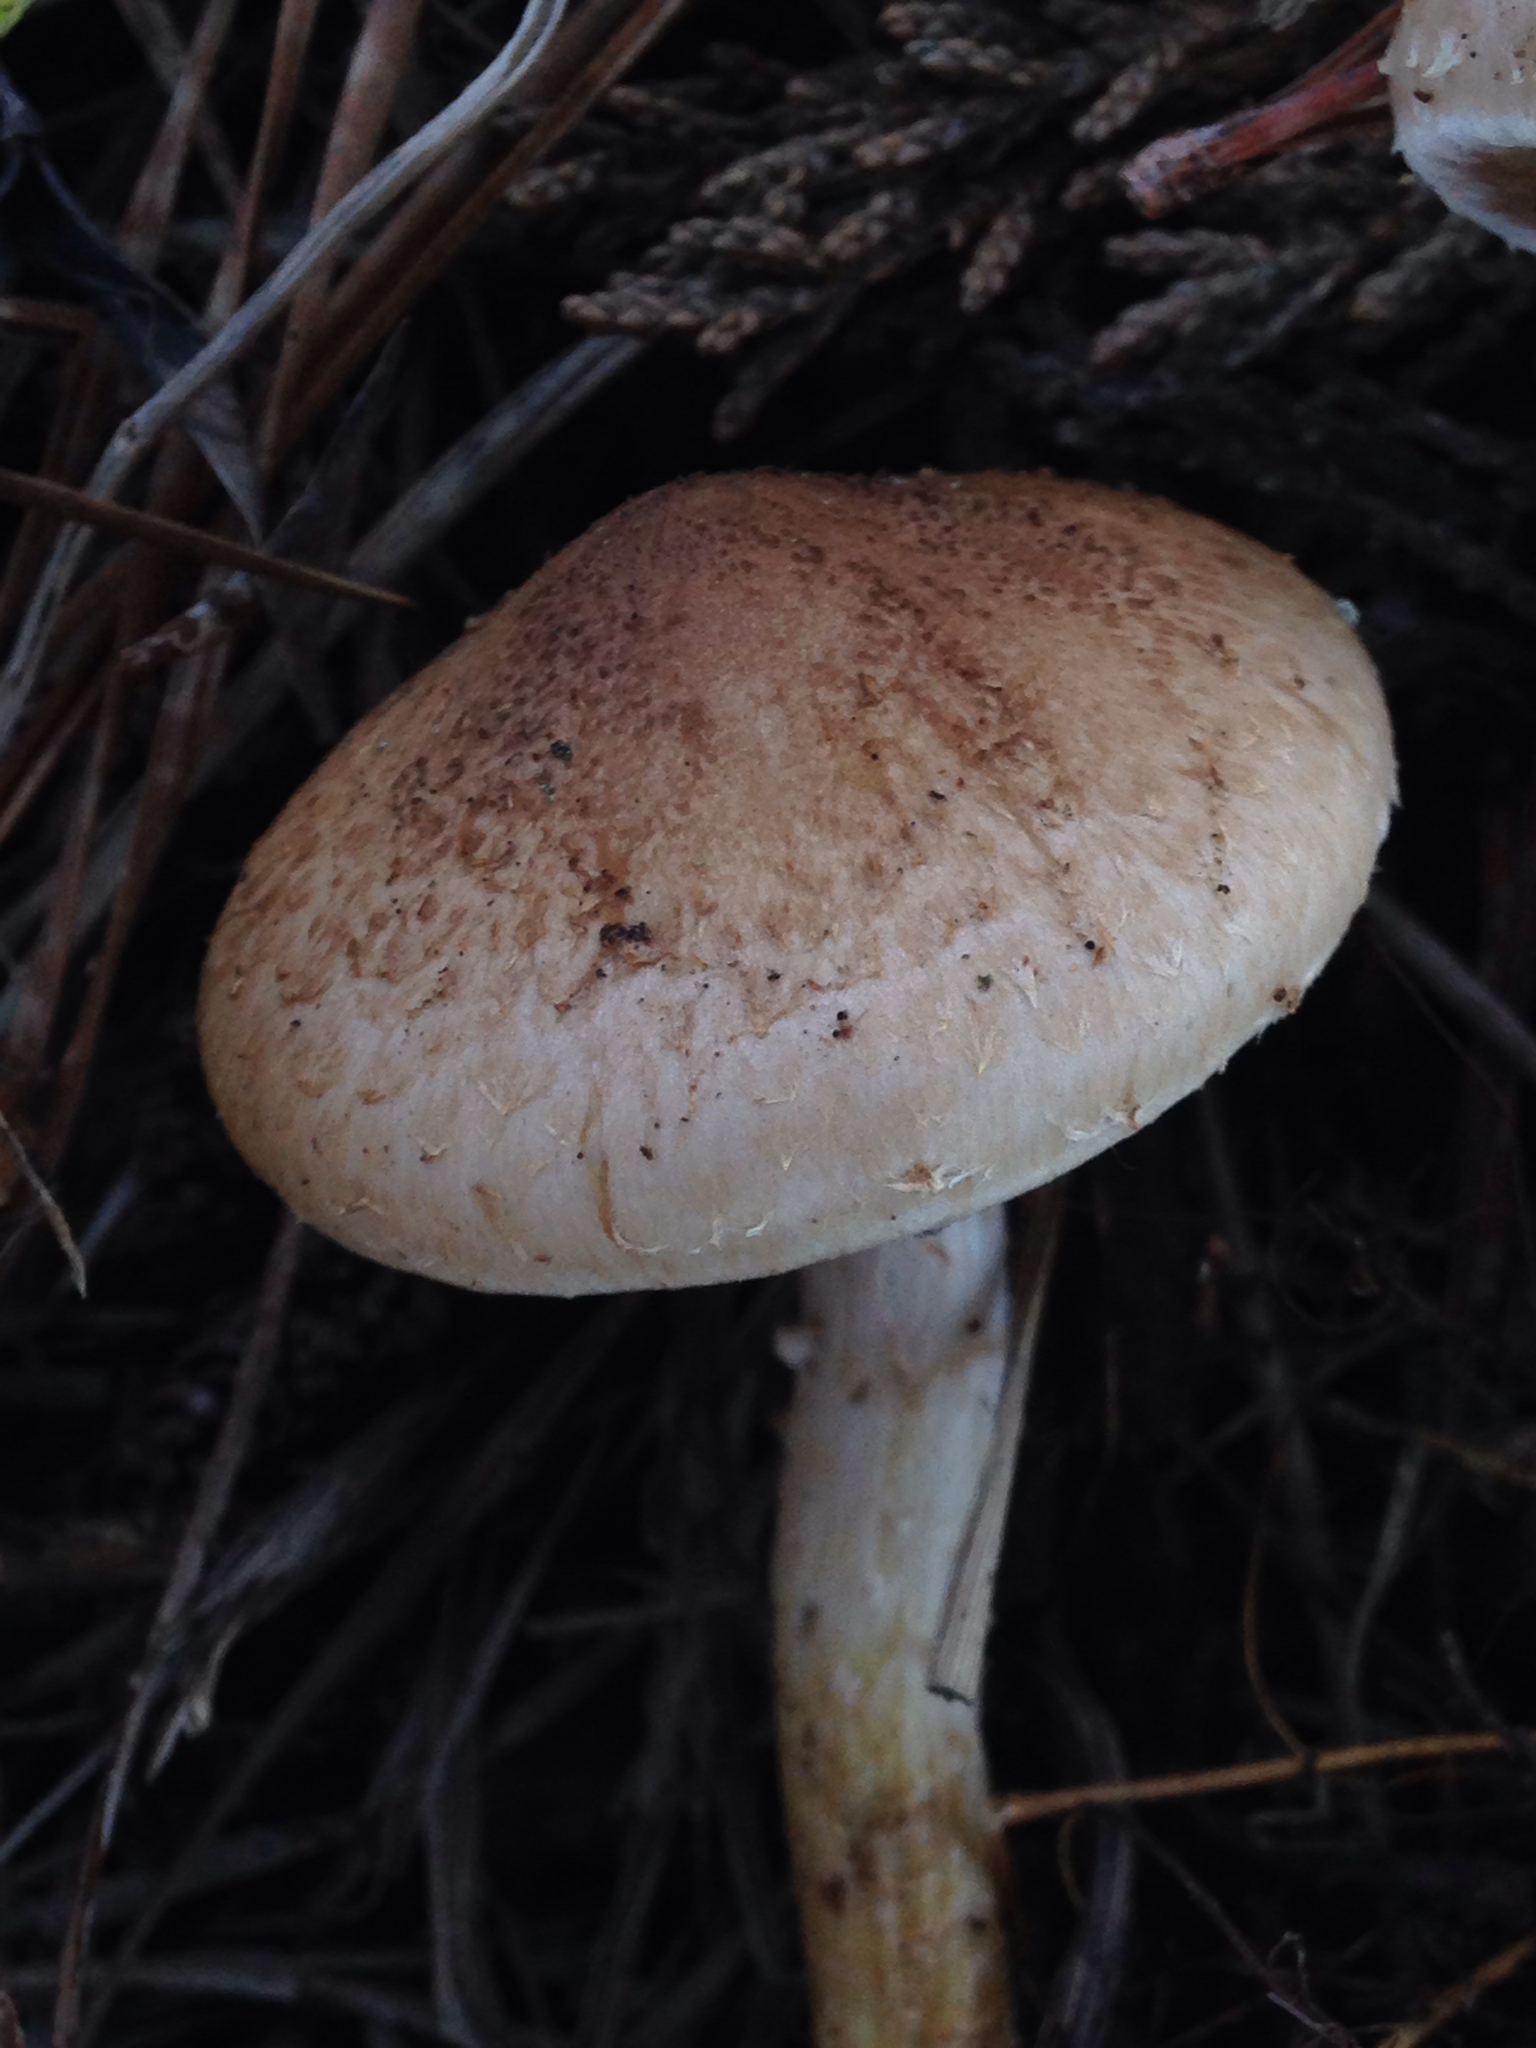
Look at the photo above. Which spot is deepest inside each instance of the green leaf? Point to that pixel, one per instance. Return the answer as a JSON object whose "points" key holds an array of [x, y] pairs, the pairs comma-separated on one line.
{"points": [[11, 12]]}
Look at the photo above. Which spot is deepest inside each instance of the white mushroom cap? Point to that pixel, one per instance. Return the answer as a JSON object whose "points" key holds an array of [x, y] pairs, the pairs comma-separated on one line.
{"points": [[792, 863], [1462, 77]]}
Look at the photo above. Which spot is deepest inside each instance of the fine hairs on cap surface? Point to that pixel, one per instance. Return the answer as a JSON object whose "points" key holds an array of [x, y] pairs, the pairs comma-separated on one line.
{"points": [[794, 862]]}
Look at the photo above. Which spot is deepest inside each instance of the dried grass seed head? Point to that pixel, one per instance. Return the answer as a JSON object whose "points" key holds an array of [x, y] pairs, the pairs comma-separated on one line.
{"points": [[795, 862]]}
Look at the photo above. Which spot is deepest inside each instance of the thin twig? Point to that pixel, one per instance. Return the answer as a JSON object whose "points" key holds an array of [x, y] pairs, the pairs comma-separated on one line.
{"points": [[1462, 1997], [17, 489], [479, 459], [1014, 1809], [1487, 1464], [174, 748], [41, 987], [474, 1685], [1284, 1988]]}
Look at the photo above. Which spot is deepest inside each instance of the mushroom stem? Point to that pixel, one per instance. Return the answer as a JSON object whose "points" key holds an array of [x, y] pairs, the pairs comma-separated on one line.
{"points": [[899, 1867]]}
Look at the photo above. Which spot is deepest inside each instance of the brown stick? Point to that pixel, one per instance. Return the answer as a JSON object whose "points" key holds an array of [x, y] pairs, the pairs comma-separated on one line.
{"points": [[1014, 1809]]}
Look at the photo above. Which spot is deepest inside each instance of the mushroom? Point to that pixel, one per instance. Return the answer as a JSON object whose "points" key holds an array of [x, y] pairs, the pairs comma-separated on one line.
{"points": [[792, 871], [1462, 80]]}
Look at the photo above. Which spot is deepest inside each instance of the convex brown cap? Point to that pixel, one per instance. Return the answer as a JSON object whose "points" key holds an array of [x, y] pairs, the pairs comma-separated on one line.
{"points": [[792, 863]]}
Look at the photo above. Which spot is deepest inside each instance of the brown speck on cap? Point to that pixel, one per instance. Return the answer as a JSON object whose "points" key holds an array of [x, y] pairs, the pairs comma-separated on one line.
{"points": [[761, 679]]}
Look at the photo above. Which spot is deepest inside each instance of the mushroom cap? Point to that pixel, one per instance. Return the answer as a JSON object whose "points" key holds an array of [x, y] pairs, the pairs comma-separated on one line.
{"points": [[1462, 81], [793, 863]]}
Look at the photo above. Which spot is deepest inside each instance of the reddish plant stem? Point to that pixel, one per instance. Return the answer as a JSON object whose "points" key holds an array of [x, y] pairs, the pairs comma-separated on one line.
{"points": [[1177, 168]]}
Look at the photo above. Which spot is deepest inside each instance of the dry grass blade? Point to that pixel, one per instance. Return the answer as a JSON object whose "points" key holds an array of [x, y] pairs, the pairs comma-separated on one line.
{"points": [[253, 1376], [384, 286], [1253, 1663], [29, 772], [41, 987], [363, 203], [213, 421], [1285, 1985], [214, 1490], [1487, 1464], [379, 60], [73, 1781], [154, 196], [260, 1977], [1309, 1539], [443, 494], [192, 541], [57, 1221], [65, 456], [1462, 991], [156, 32], [173, 753], [465, 1995], [956, 1665], [295, 25], [502, 1462]]}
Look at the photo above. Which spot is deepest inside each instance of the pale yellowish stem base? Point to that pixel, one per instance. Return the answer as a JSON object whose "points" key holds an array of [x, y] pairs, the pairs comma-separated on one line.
{"points": [[898, 1864]]}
